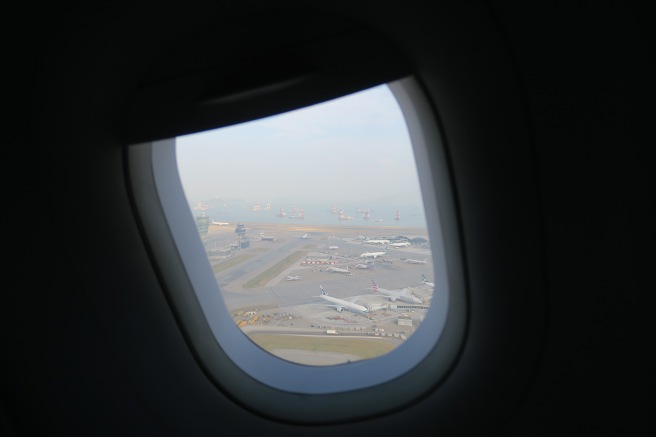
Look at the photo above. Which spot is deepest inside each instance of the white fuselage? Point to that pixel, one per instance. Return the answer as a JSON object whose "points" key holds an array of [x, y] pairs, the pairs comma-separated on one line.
{"points": [[425, 281], [416, 261], [340, 304], [338, 270], [363, 266], [394, 295], [372, 254], [378, 241]]}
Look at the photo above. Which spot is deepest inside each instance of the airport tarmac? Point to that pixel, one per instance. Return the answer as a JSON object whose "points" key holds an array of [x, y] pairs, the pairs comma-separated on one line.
{"points": [[253, 280]]}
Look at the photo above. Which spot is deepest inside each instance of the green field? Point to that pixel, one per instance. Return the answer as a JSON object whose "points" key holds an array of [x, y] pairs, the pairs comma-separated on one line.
{"points": [[363, 348], [236, 259], [263, 278]]}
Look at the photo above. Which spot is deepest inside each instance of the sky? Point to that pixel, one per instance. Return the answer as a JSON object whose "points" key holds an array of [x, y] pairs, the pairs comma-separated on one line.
{"points": [[354, 150]]}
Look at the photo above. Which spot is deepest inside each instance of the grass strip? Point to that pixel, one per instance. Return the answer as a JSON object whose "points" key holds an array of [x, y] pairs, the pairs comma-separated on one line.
{"points": [[235, 259], [263, 278], [361, 347]]}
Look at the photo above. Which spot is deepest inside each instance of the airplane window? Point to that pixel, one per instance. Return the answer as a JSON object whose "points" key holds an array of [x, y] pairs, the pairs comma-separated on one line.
{"points": [[314, 225], [311, 252]]}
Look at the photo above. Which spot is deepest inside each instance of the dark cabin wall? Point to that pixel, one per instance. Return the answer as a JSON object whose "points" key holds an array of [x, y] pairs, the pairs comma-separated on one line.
{"points": [[587, 71], [586, 74]]}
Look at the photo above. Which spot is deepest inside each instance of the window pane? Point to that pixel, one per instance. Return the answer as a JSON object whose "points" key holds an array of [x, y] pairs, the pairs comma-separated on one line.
{"points": [[324, 199]]}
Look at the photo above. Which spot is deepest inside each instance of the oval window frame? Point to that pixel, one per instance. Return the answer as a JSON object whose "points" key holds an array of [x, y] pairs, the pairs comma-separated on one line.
{"points": [[238, 366]]}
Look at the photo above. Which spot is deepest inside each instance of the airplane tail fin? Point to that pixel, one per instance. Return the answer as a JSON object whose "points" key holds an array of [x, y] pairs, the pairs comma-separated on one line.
{"points": [[323, 292], [374, 286], [423, 278]]}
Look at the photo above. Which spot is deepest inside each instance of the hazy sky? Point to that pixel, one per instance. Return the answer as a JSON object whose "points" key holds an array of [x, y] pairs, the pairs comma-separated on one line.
{"points": [[352, 150]]}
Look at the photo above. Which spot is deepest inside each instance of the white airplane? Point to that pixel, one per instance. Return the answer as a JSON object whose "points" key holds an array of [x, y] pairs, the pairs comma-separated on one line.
{"points": [[213, 222], [373, 254], [333, 247], [394, 295], [304, 236], [378, 241], [401, 244], [339, 270], [293, 278], [416, 261], [425, 281], [340, 304], [364, 266]]}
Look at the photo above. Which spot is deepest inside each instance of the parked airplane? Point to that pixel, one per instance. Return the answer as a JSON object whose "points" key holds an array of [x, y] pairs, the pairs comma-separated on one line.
{"points": [[293, 278], [373, 254], [425, 281], [340, 304], [364, 266], [394, 295], [378, 241], [219, 223], [416, 261], [304, 236], [401, 244], [333, 247], [340, 270]]}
